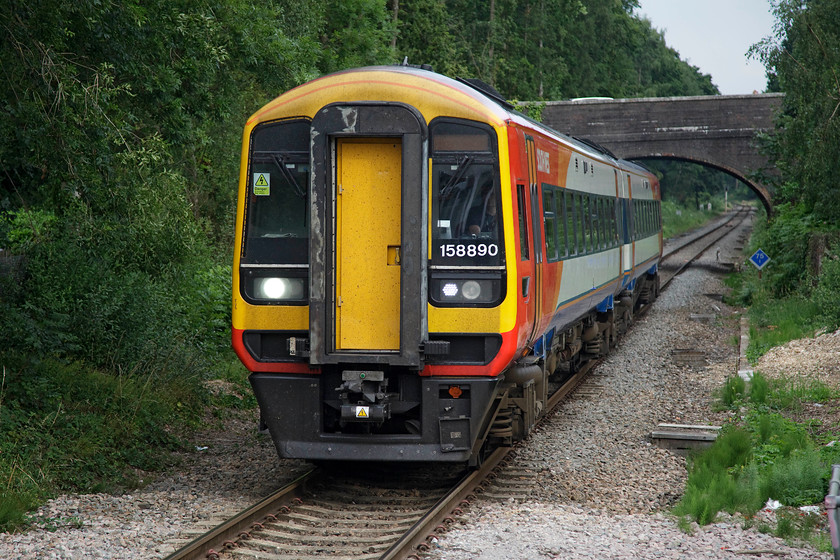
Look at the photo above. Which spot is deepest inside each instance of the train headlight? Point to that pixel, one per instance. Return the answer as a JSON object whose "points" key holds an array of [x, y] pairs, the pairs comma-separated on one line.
{"points": [[273, 288], [448, 289], [471, 290]]}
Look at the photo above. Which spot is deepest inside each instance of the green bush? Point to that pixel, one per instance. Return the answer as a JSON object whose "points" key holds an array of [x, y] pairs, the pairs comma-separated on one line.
{"points": [[13, 508], [23, 228], [759, 389], [798, 479], [67, 427], [707, 493], [785, 239], [771, 457], [710, 487], [826, 296], [732, 391]]}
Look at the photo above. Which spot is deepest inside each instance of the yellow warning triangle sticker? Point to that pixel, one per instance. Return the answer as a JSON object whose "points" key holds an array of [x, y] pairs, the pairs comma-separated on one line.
{"points": [[361, 412], [261, 182]]}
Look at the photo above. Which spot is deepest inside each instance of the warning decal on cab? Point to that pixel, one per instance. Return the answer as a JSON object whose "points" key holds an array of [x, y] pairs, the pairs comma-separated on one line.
{"points": [[262, 184]]}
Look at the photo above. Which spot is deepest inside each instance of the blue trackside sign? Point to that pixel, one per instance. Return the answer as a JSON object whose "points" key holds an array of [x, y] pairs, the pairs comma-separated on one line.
{"points": [[759, 259]]}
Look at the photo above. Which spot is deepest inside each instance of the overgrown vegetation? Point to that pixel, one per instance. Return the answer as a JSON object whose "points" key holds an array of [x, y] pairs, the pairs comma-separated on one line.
{"points": [[797, 293], [545, 49], [766, 456], [678, 219]]}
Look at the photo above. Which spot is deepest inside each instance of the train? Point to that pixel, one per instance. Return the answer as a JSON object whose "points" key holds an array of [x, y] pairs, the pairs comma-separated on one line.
{"points": [[417, 262]]}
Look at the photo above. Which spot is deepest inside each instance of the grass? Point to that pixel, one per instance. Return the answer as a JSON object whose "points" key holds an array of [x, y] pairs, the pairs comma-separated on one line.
{"points": [[789, 457], [710, 487], [774, 322], [732, 392], [765, 456], [65, 427], [677, 219]]}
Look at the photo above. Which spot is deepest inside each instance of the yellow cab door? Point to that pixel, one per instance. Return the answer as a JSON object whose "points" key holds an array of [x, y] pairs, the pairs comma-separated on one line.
{"points": [[367, 244]]}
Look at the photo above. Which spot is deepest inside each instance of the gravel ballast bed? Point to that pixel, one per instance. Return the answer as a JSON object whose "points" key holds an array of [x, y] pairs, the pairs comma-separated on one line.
{"points": [[602, 489], [605, 490]]}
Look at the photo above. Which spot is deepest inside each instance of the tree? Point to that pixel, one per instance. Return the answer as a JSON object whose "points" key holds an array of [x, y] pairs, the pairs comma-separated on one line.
{"points": [[428, 35], [547, 49], [356, 33], [803, 59], [120, 126]]}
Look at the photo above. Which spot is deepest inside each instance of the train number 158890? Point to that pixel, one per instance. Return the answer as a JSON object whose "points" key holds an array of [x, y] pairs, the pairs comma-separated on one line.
{"points": [[469, 250]]}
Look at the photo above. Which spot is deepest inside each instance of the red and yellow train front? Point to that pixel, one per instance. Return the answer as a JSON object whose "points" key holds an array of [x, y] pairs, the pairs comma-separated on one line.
{"points": [[374, 294]]}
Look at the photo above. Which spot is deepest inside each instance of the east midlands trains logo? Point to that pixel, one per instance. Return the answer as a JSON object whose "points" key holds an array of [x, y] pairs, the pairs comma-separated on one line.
{"points": [[543, 162]]}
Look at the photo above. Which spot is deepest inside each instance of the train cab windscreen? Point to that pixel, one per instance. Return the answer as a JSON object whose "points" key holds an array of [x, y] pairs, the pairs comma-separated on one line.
{"points": [[466, 215], [275, 254]]}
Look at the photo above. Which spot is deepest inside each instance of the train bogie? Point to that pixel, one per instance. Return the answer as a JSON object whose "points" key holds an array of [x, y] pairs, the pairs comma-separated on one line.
{"points": [[414, 260]]}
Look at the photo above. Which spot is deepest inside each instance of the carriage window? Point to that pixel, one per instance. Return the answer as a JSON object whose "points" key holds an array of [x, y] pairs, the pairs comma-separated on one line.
{"points": [[562, 225], [586, 224], [635, 221], [602, 215], [550, 221], [579, 224], [595, 214], [523, 222]]}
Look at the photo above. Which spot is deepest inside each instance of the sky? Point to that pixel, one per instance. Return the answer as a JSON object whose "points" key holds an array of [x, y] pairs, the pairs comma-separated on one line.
{"points": [[715, 35]]}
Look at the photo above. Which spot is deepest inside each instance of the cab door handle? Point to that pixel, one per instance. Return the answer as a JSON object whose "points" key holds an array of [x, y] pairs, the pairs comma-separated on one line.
{"points": [[394, 255]]}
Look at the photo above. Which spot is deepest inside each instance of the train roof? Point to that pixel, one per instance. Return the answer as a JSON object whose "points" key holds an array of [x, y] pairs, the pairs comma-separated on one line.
{"points": [[419, 87]]}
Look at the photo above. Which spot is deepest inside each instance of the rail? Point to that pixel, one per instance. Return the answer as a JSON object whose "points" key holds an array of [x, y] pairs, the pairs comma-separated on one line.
{"points": [[692, 237], [211, 544], [831, 505], [440, 518], [420, 537], [708, 240]]}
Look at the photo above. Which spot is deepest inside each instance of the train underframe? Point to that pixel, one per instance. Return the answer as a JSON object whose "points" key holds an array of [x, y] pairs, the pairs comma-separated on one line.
{"points": [[529, 382], [389, 413]]}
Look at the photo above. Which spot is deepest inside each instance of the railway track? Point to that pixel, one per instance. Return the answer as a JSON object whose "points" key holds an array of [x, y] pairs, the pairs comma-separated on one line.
{"points": [[676, 258], [373, 514], [387, 513]]}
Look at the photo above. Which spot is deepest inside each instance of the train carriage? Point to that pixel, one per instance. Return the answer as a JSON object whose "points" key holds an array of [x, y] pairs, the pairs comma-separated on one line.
{"points": [[415, 261]]}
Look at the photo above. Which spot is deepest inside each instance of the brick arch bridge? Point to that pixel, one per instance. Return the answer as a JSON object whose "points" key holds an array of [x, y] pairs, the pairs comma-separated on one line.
{"points": [[716, 130]]}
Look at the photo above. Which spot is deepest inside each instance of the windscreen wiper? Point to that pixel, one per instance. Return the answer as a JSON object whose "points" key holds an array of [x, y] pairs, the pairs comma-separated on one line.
{"points": [[280, 162], [465, 162]]}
